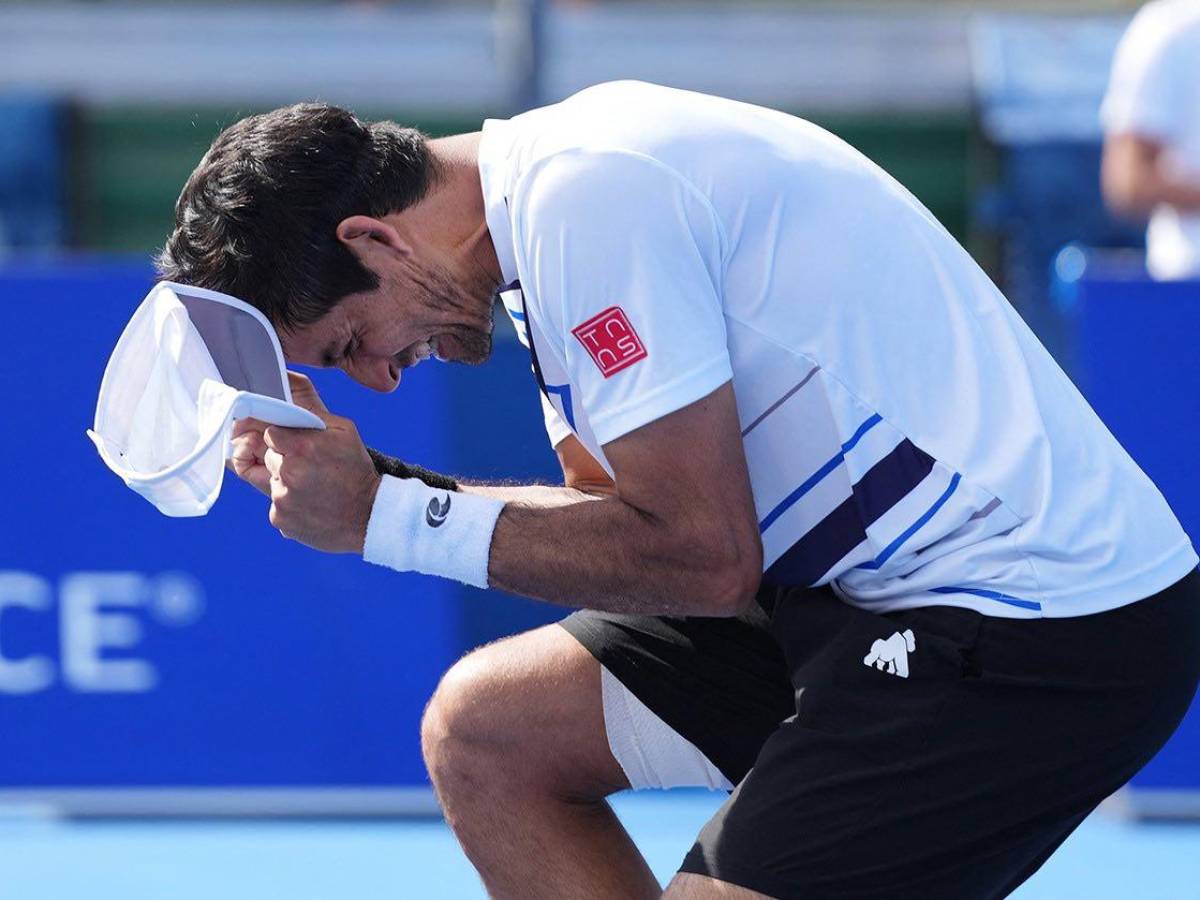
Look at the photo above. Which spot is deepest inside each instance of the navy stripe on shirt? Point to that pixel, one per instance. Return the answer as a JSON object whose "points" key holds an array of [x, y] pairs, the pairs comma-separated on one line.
{"points": [[886, 483]]}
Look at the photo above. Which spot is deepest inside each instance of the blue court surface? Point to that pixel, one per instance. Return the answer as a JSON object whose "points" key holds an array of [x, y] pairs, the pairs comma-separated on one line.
{"points": [[330, 860]]}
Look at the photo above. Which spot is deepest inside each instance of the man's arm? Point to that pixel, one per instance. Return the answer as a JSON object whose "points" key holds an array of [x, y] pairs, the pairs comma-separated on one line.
{"points": [[1135, 180], [677, 536]]}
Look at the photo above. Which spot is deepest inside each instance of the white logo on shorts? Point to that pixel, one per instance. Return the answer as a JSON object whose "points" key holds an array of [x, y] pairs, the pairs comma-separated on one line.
{"points": [[891, 656]]}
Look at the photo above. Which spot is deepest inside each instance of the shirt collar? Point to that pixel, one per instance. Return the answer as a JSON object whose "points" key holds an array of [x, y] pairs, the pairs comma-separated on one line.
{"points": [[495, 149]]}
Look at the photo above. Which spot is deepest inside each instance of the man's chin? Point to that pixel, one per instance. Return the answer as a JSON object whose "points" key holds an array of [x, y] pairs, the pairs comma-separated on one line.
{"points": [[470, 348]]}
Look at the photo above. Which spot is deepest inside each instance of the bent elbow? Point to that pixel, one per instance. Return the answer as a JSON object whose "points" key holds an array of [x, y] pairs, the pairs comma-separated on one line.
{"points": [[735, 581]]}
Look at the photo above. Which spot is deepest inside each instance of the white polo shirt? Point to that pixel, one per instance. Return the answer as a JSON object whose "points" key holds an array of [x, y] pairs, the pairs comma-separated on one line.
{"points": [[1155, 93], [909, 441]]}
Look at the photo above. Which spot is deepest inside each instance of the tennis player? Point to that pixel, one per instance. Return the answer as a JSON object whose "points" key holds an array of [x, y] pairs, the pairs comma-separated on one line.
{"points": [[845, 539]]}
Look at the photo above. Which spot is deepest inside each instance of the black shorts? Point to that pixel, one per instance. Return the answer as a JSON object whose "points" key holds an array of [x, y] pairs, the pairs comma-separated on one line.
{"points": [[925, 753]]}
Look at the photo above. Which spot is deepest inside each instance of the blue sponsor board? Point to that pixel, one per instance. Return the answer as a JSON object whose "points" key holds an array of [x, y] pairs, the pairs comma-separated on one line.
{"points": [[138, 651], [211, 658], [1136, 362]]}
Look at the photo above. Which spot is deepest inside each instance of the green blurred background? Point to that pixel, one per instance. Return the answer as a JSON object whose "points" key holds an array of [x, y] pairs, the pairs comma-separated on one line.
{"points": [[130, 163]]}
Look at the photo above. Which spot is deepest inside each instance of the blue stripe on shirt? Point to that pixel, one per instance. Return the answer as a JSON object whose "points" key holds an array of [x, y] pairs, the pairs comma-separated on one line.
{"points": [[990, 595], [564, 392], [912, 529], [791, 499]]}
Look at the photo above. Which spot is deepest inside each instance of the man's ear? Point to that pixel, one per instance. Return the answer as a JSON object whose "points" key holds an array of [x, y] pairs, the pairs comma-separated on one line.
{"points": [[359, 233]]}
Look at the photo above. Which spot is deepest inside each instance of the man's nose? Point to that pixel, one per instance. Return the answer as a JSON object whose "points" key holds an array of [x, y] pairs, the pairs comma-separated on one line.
{"points": [[379, 374]]}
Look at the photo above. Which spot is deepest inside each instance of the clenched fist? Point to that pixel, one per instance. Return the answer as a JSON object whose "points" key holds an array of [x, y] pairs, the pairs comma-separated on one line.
{"points": [[322, 484]]}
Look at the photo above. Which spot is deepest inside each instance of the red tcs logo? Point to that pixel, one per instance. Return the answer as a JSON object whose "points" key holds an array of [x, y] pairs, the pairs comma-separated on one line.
{"points": [[611, 341]]}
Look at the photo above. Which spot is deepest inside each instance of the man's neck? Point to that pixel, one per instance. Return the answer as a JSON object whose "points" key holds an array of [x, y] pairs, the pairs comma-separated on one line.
{"points": [[458, 197]]}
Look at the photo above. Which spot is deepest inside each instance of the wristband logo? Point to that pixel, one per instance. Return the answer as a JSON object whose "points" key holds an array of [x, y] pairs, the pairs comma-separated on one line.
{"points": [[435, 513]]}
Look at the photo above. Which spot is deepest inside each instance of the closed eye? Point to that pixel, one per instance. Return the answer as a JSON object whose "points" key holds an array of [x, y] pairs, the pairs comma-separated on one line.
{"points": [[330, 361]]}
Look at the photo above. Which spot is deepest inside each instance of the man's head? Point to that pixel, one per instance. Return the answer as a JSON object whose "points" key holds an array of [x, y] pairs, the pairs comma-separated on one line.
{"points": [[324, 223]]}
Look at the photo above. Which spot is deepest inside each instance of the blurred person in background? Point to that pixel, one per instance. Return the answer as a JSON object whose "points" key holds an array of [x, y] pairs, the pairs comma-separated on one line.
{"points": [[1152, 123]]}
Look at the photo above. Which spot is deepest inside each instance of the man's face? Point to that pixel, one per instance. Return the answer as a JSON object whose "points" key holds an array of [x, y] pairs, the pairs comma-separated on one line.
{"points": [[419, 310]]}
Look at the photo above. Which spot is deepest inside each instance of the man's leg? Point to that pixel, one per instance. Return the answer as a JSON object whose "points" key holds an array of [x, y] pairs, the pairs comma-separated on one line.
{"points": [[515, 742]]}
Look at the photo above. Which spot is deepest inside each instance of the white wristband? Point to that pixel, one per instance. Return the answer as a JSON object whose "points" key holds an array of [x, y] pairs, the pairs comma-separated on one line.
{"points": [[416, 528]]}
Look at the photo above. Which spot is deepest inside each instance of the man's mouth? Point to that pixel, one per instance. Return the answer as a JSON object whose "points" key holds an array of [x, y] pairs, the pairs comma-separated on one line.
{"points": [[420, 351]]}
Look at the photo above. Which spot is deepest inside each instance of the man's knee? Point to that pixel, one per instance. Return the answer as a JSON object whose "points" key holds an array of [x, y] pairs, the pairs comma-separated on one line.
{"points": [[470, 712], [526, 709]]}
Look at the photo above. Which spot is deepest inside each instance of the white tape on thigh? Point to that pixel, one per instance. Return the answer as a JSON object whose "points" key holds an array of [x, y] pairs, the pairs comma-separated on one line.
{"points": [[651, 753]]}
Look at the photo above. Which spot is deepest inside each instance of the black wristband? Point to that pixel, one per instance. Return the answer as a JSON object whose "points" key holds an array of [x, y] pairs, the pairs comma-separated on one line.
{"points": [[389, 465]]}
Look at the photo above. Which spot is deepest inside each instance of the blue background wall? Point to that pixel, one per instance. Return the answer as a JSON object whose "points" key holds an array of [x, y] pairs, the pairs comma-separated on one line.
{"points": [[1137, 363], [137, 650], [152, 651]]}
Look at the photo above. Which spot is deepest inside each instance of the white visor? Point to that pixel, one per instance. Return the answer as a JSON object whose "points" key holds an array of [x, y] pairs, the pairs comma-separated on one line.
{"points": [[189, 362]]}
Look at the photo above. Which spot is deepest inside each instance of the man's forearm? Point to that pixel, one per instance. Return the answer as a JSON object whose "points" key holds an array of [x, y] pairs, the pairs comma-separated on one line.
{"points": [[541, 555], [594, 550], [605, 555]]}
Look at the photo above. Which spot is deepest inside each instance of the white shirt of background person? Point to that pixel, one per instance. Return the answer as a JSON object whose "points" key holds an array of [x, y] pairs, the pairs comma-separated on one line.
{"points": [[1151, 119]]}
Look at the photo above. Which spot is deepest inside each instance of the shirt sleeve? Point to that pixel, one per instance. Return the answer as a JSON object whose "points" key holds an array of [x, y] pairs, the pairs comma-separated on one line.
{"points": [[625, 257], [1143, 91], [556, 429]]}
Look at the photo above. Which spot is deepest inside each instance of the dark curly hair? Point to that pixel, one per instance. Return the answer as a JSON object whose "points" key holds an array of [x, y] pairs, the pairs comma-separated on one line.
{"points": [[258, 217]]}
